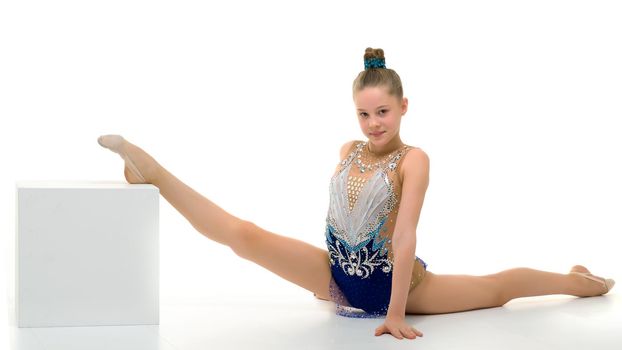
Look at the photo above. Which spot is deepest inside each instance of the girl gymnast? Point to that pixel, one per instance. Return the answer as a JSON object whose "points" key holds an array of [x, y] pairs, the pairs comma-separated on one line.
{"points": [[369, 268]]}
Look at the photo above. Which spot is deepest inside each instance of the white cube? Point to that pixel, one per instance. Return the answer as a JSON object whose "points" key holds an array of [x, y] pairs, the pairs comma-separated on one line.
{"points": [[87, 254]]}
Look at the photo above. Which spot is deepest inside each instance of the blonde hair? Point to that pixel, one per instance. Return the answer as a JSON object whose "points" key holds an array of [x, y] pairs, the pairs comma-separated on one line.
{"points": [[378, 76]]}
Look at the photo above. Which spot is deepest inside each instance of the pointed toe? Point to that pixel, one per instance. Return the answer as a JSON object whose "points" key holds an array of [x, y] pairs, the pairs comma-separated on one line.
{"points": [[116, 143], [610, 283], [112, 142]]}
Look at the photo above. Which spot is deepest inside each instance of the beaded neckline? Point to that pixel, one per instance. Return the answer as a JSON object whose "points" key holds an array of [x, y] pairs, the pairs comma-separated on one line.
{"points": [[391, 159]]}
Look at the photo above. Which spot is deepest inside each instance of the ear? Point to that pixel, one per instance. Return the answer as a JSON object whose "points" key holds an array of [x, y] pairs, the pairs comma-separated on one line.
{"points": [[404, 105]]}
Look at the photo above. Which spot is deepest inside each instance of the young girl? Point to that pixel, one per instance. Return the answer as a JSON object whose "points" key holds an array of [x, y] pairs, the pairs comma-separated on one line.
{"points": [[370, 268]]}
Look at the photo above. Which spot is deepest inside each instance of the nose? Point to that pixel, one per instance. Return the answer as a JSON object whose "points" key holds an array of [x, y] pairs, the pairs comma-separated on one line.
{"points": [[373, 123]]}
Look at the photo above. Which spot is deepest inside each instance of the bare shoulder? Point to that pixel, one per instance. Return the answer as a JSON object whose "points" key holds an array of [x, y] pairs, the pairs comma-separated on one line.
{"points": [[346, 147], [415, 163]]}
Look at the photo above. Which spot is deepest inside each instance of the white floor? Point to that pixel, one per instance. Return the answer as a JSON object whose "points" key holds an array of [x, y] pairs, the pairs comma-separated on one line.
{"points": [[553, 322]]}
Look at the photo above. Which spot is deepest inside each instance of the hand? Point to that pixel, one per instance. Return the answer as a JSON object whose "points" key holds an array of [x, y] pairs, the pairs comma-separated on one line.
{"points": [[398, 327]]}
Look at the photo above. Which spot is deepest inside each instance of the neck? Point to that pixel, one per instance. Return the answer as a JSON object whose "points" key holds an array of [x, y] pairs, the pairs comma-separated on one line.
{"points": [[383, 150]]}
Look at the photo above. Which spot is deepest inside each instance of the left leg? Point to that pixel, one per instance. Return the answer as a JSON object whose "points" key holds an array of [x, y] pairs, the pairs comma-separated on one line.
{"points": [[453, 293], [439, 294]]}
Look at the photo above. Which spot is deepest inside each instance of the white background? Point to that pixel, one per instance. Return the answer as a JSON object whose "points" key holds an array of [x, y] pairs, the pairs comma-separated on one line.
{"points": [[517, 104]]}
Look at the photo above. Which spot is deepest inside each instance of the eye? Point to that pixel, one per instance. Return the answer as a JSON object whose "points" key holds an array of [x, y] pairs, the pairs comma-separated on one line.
{"points": [[383, 111], [363, 114]]}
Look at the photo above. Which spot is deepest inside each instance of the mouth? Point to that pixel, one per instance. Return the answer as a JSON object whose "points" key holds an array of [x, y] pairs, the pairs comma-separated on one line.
{"points": [[377, 133]]}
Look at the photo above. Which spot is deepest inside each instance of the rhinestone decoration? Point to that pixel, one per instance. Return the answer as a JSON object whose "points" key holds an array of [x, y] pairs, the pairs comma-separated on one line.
{"points": [[391, 159], [356, 156], [355, 184], [361, 264], [353, 187], [360, 225]]}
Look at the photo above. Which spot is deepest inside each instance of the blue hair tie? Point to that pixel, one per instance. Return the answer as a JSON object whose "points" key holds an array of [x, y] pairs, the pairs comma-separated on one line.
{"points": [[374, 62]]}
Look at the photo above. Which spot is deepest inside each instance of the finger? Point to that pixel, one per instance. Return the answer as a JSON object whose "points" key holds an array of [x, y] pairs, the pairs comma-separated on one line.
{"points": [[409, 333], [397, 334], [415, 332]]}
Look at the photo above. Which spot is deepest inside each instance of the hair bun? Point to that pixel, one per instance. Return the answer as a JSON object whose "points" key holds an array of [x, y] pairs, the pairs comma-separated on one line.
{"points": [[374, 58]]}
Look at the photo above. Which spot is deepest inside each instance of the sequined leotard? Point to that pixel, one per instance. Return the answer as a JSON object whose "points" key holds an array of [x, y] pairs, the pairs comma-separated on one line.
{"points": [[359, 226]]}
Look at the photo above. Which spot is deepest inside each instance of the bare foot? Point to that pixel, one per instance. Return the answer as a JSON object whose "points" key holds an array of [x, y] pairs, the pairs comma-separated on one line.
{"points": [[140, 167]]}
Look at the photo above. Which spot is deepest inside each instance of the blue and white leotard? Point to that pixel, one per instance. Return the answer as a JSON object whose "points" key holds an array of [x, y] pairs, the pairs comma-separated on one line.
{"points": [[359, 226]]}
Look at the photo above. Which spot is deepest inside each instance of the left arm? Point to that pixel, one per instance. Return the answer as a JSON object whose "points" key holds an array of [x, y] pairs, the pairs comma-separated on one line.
{"points": [[416, 167]]}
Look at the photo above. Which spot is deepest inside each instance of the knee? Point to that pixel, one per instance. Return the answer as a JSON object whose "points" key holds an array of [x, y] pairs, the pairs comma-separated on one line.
{"points": [[244, 233], [500, 295]]}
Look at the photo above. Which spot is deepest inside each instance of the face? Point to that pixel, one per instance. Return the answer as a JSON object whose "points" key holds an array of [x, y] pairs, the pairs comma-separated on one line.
{"points": [[379, 115]]}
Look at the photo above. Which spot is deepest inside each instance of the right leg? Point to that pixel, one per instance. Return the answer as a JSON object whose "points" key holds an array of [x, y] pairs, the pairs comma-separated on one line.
{"points": [[296, 261]]}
